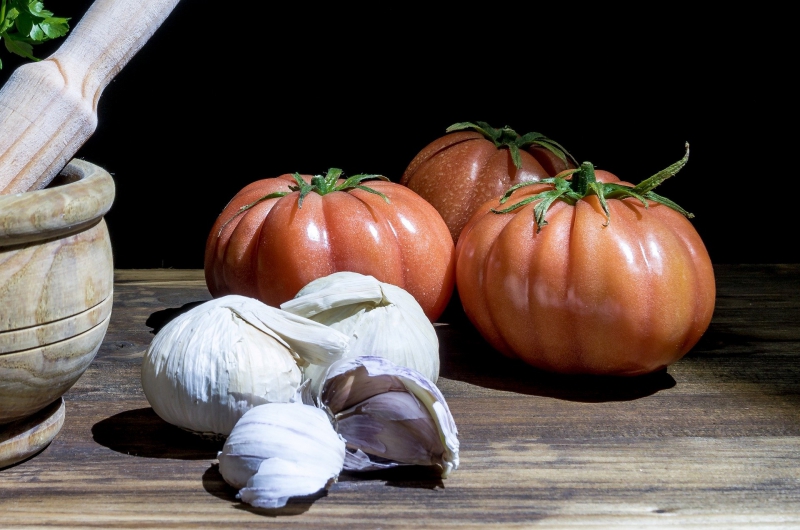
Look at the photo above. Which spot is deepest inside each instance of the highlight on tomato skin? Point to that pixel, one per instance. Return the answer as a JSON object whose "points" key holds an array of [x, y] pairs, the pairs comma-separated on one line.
{"points": [[621, 288], [267, 244]]}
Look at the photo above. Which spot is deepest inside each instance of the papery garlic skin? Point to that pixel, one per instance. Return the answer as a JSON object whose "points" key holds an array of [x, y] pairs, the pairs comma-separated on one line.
{"points": [[381, 320], [390, 412], [281, 450], [210, 365]]}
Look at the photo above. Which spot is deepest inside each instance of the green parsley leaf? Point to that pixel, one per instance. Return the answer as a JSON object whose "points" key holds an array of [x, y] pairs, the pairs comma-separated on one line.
{"points": [[25, 23], [54, 27], [37, 9], [19, 47]]}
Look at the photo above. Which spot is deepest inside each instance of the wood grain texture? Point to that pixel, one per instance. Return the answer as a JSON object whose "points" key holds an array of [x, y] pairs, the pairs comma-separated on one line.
{"points": [[24, 438], [30, 379], [48, 109], [43, 282], [35, 336], [713, 441]]}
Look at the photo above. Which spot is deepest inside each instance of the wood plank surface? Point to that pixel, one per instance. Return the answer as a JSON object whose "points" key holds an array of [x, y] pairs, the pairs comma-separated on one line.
{"points": [[713, 441]]}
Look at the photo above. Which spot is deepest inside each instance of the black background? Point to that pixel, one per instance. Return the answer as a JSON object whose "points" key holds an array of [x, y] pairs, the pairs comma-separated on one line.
{"points": [[225, 94]]}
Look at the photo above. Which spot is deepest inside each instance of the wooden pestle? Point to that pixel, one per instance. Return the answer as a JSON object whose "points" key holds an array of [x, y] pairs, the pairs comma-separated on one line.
{"points": [[48, 109]]}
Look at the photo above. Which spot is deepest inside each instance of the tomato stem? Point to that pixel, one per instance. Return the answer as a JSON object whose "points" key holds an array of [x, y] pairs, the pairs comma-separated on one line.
{"points": [[583, 178], [583, 183], [508, 137]]}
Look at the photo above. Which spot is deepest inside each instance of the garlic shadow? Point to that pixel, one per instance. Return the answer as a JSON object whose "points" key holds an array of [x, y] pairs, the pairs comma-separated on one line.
{"points": [[141, 432], [214, 484], [419, 477], [466, 356], [159, 319], [403, 477]]}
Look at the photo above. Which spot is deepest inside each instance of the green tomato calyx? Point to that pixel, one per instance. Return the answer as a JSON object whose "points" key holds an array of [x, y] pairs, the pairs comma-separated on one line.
{"points": [[573, 185], [328, 184], [319, 184], [508, 137]]}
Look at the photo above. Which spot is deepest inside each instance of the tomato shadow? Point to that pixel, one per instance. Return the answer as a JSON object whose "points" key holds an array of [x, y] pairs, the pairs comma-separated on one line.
{"points": [[467, 357], [159, 319], [214, 484], [728, 341], [141, 432]]}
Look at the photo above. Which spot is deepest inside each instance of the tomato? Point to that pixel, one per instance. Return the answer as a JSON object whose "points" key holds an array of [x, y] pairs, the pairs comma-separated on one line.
{"points": [[458, 172], [266, 244], [625, 291]]}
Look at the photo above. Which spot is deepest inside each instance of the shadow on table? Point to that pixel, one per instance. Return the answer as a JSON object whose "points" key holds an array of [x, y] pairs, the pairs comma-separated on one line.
{"points": [[216, 486], [401, 477], [420, 477], [159, 319], [141, 432], [738, 341], [467, 357]]}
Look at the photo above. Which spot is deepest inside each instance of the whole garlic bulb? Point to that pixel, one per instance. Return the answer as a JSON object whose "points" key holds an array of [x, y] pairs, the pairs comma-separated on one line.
{"points": [[381, 320], [281, 450], [207, 367]]}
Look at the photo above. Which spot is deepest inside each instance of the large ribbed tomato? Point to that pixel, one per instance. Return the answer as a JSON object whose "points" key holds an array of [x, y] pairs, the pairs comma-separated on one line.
{"points": [[620, 290], [274, 237], [461, 170]]}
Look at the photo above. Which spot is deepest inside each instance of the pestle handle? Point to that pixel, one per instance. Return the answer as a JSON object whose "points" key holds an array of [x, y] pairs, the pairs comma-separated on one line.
{"points": [[48, 109]]}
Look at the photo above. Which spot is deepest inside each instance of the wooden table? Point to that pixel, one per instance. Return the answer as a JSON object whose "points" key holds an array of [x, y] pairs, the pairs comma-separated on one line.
{"points": [[715, 439]]}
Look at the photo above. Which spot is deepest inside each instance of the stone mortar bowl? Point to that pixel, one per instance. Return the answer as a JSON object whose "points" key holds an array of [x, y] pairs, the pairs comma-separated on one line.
{"points": [[56, 286]]}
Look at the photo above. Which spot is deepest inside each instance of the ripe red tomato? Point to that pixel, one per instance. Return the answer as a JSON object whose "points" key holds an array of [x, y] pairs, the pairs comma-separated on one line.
{"points": [[625, 291], [458, 172], [277, 245]]}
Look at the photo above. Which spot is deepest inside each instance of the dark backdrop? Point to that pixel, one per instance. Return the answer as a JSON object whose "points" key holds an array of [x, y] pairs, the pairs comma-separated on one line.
{"points": [[225, 94]]}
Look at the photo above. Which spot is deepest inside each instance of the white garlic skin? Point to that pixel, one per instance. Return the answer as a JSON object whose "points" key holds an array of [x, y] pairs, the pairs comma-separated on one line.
{"points": [[210, 365], [281, 450], [381, 320]]}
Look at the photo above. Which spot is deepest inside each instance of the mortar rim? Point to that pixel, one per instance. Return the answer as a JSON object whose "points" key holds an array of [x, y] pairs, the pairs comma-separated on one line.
{"points": [[58, 210]]}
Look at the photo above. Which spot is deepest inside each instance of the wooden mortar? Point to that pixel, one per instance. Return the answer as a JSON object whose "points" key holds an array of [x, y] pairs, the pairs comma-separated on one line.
{"points": [[56, 287], [56, 268]]}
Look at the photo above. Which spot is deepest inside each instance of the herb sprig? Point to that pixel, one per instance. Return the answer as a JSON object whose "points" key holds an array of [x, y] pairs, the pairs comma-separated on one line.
{"points": [[25, 23]]}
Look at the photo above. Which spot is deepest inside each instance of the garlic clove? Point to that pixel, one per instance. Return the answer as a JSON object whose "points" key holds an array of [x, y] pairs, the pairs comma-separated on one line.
{"points": [[278, 480], [379, 318], [281, 450], [393, 425], [389, 412]]}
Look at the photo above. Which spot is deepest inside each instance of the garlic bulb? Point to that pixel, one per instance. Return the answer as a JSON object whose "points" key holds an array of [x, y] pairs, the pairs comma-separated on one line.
{"points": [[210, 365], [390, 412], [381, 320], [281, 450]]}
